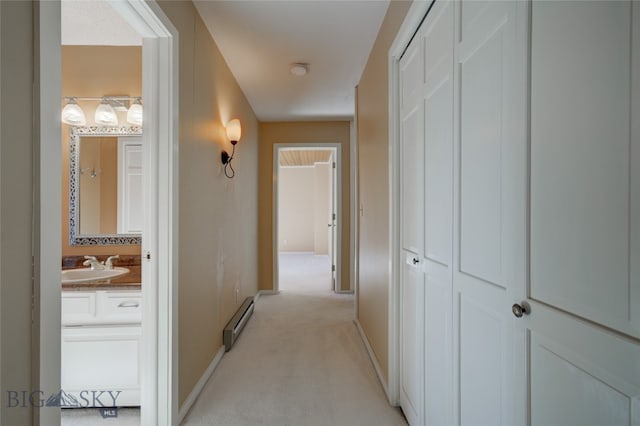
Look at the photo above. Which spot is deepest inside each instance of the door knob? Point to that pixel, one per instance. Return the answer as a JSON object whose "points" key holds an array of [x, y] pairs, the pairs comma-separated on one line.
{"points": [[520, 310], [416, 260]]}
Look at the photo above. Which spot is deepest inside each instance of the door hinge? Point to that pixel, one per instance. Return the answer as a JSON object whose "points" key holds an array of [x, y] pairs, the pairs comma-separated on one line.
{"points": [[334, 165], [333, 268], [148, 255], [333, 216]]}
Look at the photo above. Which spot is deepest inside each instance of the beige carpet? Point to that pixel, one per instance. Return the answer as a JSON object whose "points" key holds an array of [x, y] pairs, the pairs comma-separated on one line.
{"points": [[299, 361]]}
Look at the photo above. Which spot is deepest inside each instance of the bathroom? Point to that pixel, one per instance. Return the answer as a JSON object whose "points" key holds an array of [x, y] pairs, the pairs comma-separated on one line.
{"points": [[101, 217]]}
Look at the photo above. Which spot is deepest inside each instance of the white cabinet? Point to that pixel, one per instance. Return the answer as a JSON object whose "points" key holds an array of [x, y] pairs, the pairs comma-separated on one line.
{"points": [[101, 347]]}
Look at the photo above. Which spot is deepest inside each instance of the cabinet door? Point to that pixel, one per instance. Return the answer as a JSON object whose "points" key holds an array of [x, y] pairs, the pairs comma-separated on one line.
{"points": [[583, 330], [98, 359]]}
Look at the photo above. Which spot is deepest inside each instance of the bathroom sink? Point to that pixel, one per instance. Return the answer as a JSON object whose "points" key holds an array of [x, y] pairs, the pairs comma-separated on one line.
{"points": [[87, 275]]}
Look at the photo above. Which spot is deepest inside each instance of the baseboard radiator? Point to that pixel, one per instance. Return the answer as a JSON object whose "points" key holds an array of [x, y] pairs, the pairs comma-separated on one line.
{"points": [[234, 327]]}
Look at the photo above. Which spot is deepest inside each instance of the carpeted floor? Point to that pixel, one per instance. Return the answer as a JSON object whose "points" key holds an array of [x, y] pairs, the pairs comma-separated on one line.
{"points": [[299, 361]]}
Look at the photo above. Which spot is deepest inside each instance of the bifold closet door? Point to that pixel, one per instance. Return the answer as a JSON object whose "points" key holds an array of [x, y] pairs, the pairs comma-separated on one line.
{"points": [[489, 208], [426, 221], [583, 331], [438, 38], [412, 232]]}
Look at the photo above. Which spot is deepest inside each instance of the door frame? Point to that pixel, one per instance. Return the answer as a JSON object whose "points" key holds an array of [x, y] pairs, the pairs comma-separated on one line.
{"points": [[337, 147], [159, 396], [412, 21]]}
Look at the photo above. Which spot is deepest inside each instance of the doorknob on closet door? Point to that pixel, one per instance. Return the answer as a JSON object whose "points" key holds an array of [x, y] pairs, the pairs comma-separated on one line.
{"points": [[520, 309], [416, 260]]}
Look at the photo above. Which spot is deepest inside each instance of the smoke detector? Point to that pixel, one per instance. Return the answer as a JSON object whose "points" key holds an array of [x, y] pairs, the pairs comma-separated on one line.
{"points": [[299, 69]]}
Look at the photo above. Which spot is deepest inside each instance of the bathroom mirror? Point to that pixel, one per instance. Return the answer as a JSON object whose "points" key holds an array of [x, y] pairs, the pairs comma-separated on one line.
{"points": [[105, 185]]}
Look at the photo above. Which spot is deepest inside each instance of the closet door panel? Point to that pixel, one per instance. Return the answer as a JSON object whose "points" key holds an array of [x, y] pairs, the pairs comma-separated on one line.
{"points": [[580, 159]]}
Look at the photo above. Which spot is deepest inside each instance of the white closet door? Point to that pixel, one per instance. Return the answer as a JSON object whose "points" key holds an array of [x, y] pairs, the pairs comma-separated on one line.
{"points": [[438, 34], [583, 329], [412, 233], [490, 207]]}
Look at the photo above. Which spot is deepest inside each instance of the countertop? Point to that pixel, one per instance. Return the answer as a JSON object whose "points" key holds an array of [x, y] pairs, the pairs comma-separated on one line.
{"points": [[131, 281]]}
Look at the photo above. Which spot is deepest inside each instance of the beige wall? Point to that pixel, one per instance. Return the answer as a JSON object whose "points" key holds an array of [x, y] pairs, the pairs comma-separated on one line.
{"points": [[373, 131], [296, 209], [16, 212], [218, 216], [292, 133], [95, 71]]}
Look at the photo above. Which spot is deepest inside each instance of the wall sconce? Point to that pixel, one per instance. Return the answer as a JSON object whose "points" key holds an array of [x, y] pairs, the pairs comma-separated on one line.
{"points": [[234, 131], [105, 114]]}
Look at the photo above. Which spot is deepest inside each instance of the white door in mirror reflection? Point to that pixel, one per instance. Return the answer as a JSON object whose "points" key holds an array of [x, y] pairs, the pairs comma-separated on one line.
{"points": [[129, 185]]}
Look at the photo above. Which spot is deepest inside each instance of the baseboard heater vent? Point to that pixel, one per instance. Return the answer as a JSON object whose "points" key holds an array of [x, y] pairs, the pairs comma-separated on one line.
{"points": [[234, 327]]}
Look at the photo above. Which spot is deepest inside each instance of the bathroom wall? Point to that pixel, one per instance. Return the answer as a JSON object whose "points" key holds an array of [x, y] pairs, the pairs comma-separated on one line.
{"points": [[96, 71], [217, 216], [316, 132], [373, 149]]}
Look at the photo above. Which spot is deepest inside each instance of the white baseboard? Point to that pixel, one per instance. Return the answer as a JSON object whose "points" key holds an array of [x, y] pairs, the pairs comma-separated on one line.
{"points": [[186, 406], [261, 293], [373, 358], [344, 291]]}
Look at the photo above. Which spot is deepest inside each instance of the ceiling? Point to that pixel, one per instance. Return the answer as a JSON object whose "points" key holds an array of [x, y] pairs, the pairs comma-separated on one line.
{"points": [[305, 157], [260, 39], [95, 23]]}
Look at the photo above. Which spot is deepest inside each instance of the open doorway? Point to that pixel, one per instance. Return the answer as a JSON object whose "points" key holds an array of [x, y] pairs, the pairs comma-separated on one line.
{"points": [[157, 345], [306, 225], [102, 191]]}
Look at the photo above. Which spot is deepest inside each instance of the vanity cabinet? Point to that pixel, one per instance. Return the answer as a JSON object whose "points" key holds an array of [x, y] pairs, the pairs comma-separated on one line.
{"points": [[101, 346]]}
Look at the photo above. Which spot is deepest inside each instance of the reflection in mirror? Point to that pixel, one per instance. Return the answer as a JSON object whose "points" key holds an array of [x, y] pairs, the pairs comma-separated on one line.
{"points": [[105, 185]]}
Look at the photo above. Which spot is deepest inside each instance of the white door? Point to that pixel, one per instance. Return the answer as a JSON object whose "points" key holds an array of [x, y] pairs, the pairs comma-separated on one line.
{"points": [[333, 221], [582, 332], [412, 232], [437, 94], [490, 182], [129, 185], [426, 204]]}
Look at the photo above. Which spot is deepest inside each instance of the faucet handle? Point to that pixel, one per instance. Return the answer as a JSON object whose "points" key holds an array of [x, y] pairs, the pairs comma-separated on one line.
{"points": [[109, 262], [90, 257]]}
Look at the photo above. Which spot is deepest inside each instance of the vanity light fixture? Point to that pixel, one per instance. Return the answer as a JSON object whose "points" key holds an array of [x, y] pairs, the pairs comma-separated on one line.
{"points": [[234, 131], [106, 113], [72, 113]]}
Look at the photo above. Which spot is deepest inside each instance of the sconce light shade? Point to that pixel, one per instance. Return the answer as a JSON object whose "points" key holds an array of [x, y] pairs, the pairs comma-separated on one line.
{"points": [[105, 114], [72, 114], [234, 131], [134, 115]]}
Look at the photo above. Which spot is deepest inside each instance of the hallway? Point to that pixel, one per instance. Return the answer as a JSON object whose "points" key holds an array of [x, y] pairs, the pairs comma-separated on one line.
{"points": [[299, 361]]}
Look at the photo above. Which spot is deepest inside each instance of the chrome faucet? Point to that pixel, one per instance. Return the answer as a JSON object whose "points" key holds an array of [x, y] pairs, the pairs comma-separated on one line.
{"points": [[109, 263], [93, 263]]}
